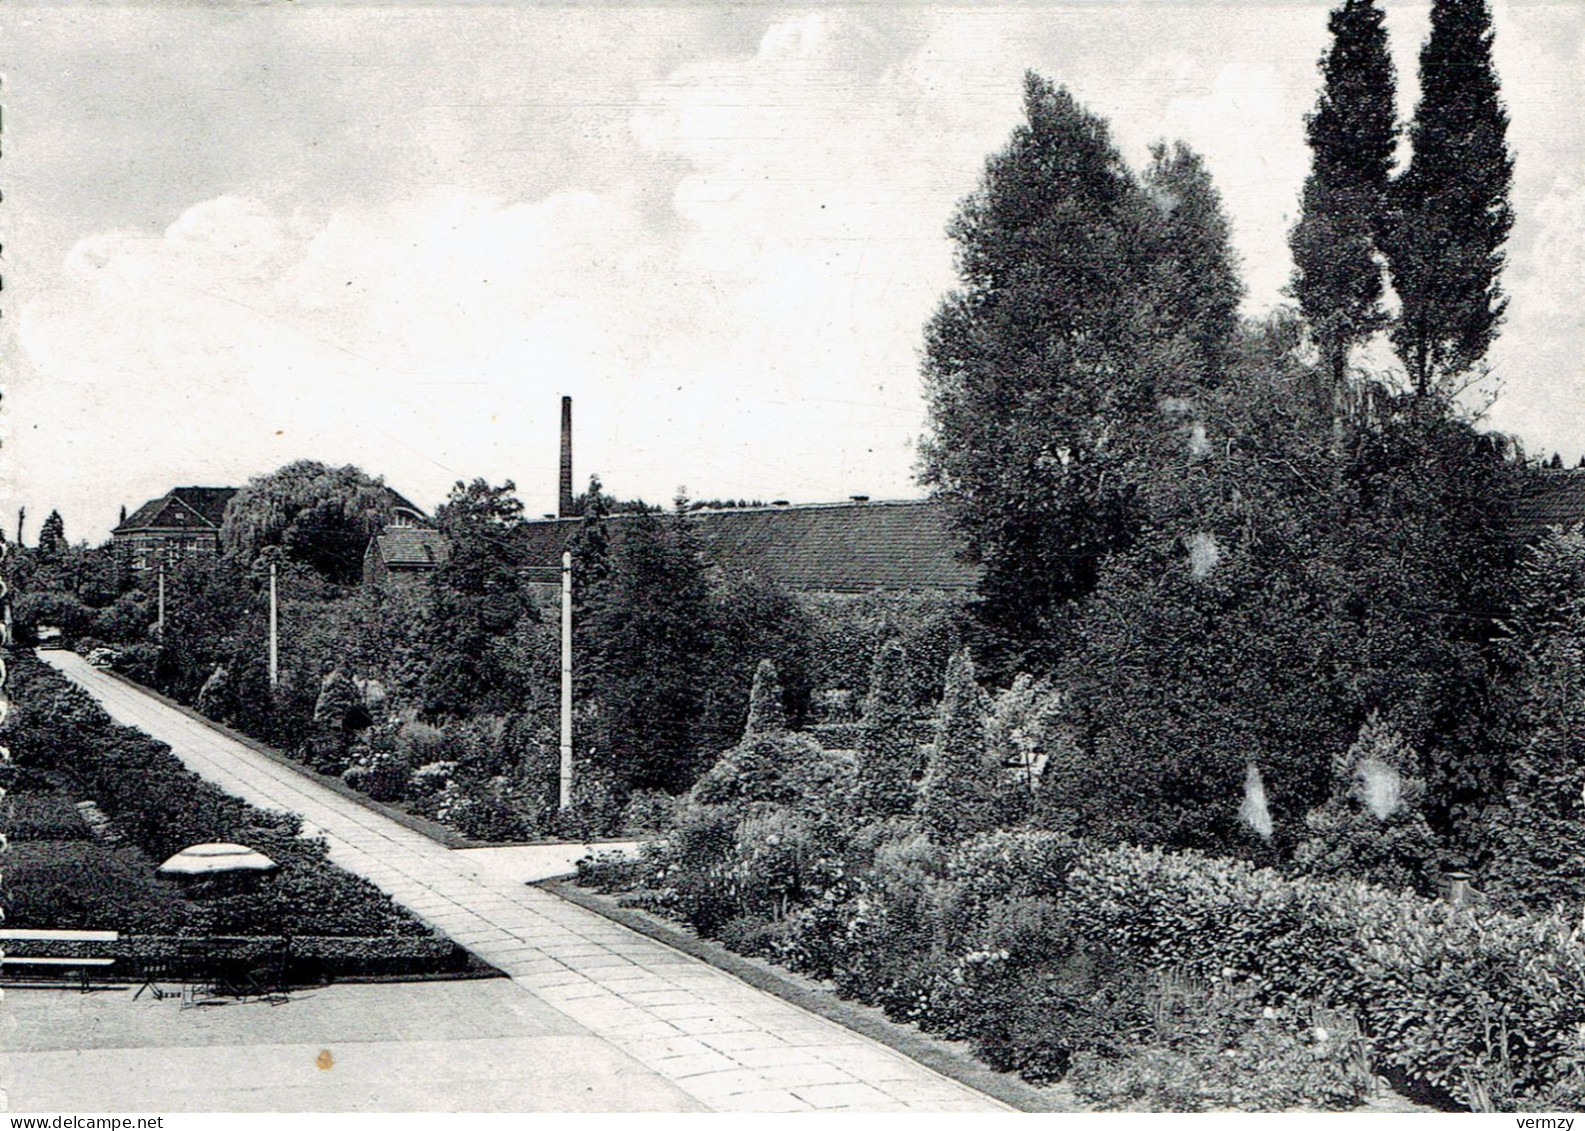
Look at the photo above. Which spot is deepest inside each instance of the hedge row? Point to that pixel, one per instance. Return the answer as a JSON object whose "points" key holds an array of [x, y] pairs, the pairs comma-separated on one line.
{"points": [[1037, 947], [1456, 998]]}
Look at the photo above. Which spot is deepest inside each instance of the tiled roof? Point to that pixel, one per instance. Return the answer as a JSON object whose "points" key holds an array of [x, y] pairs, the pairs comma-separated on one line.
{"points": [[207, 501], [411, 547], [831, 547], [1552, 498], [190, 508]]}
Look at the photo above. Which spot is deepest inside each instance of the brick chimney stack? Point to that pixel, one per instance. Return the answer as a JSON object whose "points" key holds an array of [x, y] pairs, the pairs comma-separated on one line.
{"points": [[564, 505]]}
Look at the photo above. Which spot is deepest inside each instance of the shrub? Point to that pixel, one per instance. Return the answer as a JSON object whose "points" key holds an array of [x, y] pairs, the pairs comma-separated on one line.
{"points": [[753, 935], [419, 744], [767, 713], [597, 803], [1445, 992], [1536, 835], [478, 813], [1217, 1047], [650, 811], [787, 768], [43, 816], [1032, 993], [89, 886], [888, 758], [383, 777], [1373, 827], [959, 797]]}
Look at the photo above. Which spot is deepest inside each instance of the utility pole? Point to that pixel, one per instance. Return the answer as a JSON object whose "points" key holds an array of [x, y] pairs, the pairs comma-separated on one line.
{"points": [[566, 679], [22, 513], [275, 669], [159, 619]]}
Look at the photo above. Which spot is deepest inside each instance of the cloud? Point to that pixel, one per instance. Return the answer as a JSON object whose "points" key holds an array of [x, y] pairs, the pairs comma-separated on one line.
{"points": [[721, 232]]}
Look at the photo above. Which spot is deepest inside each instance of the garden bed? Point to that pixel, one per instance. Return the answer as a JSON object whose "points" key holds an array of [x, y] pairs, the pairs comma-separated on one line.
{"points": [[950, 1058], [1142, 980], [66, 873]]}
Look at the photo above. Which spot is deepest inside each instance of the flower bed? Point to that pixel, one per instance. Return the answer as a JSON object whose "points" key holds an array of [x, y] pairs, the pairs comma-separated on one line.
{"points": [[64, 747]]}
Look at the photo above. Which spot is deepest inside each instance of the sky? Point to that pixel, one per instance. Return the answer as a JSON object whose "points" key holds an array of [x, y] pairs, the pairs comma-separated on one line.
{"points": [[239, 234]]}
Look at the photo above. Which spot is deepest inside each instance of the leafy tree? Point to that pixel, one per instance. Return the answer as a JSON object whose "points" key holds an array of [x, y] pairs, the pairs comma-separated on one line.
{"points": [[767, 714], [1352, 133], [52, 534], [959, 796], [646, 644], [209, 606], [1083, 298], [1450, 214], [1278, 592], [320, 516], [481, 611], [1373, 826], [888, 753], [1193, 286]]}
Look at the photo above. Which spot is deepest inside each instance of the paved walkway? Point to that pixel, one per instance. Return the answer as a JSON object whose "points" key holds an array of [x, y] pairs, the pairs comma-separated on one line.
{"points": [[723, 1043], [470, 1046]]}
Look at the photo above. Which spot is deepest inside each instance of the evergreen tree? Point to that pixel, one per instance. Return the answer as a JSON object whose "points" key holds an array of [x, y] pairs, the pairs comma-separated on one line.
{"points": [[480, 608], [888, 755], [646, 644], [959, 797], [338, 695], [1337, 274], [767, 714], [52, 535], [1450, 213], [1536, 835]]}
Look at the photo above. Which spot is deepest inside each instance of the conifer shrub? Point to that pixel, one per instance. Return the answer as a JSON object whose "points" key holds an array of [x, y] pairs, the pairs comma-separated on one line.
{"points": [[887, 764], [767, 711], [962, 788]]}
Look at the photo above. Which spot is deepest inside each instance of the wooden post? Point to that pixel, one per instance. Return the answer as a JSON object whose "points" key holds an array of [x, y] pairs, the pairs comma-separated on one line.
{"points": [[275, 670], [566, 679]]}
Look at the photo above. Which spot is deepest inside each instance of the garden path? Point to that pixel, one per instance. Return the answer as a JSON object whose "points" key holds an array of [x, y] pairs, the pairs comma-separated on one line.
{"points": [[727, 1045]]}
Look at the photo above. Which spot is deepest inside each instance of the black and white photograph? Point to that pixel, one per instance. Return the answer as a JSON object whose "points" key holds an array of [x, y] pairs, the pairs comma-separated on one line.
{"points": [[872, 557]]}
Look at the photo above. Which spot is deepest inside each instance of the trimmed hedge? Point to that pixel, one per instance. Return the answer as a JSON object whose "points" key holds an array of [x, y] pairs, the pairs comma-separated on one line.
{"points": [[1037, 947], [1457, 999], [162, 807]]}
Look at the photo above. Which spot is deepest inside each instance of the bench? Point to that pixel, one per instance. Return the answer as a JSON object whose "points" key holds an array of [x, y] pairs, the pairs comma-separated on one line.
{"points": [[84, 966]]}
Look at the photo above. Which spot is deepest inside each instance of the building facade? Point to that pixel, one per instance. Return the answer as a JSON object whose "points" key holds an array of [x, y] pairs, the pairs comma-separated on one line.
{"points": [[181, 524]]}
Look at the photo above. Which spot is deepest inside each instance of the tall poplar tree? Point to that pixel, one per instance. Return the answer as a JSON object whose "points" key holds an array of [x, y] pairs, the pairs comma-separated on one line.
{"points": [[1352, 133], [1450, 213]]}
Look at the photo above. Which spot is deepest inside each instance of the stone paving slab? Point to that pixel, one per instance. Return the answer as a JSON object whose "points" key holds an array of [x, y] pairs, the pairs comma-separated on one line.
{"points": [[598, 973]]}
